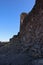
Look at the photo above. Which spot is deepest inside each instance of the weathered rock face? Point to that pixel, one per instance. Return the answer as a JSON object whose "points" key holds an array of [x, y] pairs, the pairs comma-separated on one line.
{"points": [[31, 29], [22, 16], [32, 33], [26, 48], [18, 36], [39, 3]]}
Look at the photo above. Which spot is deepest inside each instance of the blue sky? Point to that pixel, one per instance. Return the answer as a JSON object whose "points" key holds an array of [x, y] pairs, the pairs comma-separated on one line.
{"points": [[10, 11]]}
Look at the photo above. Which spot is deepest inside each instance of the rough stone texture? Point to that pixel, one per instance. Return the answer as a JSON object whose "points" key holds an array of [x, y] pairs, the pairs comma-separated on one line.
{"points": [[26, 48], [22, 16]]}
